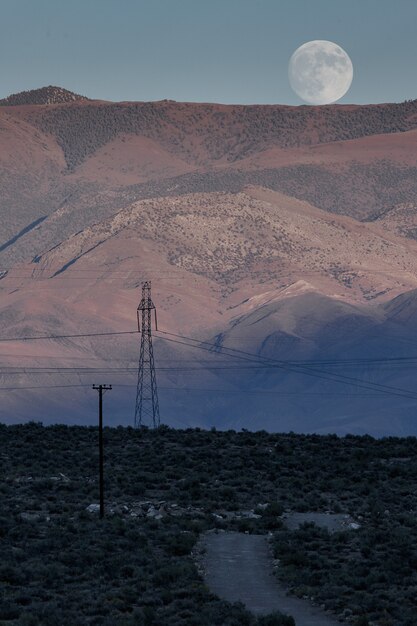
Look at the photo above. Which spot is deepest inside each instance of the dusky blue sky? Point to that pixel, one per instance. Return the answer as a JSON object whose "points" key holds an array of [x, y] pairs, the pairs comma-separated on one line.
{"points": [[232, 51]]}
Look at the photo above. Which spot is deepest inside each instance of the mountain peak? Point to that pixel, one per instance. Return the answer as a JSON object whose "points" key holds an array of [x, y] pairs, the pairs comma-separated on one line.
{"points": [[45, 95]]}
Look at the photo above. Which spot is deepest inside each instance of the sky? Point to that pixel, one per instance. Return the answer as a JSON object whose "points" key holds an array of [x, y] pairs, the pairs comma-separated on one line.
{"points": [[230, 51]]}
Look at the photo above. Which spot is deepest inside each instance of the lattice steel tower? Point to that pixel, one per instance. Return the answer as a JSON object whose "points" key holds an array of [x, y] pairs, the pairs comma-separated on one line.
{"points": [[147, 406]]}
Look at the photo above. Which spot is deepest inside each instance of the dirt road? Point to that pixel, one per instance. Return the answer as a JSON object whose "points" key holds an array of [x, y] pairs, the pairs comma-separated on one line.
{"points": [[238, 567]]}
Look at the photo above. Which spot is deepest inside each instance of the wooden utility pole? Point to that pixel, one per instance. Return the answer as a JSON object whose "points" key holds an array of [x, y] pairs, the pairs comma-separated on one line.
{"points": [[101, 389]]}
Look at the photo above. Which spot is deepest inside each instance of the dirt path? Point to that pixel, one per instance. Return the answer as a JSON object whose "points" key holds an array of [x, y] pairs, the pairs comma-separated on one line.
{"points": [[237, 567]]}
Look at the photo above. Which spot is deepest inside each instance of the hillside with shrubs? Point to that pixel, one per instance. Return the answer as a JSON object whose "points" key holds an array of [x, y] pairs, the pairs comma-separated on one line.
{"points": [[165, 488], [202, 133], [69, 158]]}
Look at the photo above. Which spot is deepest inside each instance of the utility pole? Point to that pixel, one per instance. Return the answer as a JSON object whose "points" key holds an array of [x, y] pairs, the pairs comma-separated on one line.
{"points": [[101, 389], [147, 405]]}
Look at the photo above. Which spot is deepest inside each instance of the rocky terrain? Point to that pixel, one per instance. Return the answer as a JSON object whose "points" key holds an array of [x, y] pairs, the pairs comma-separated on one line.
{"points": [[287, 233]]}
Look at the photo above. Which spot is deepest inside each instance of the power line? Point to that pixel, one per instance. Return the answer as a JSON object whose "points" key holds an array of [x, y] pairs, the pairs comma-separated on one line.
{"points": [[203, 390], [42, 387], [217, 347], [360, 271], [196, 367], [310, 362], [76, 336], [48, 266], [240, 354], [268, 392], [303, 370]]}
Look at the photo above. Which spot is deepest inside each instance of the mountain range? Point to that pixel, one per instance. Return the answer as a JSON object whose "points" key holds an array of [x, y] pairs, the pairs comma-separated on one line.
{"points": [[281, 245]]}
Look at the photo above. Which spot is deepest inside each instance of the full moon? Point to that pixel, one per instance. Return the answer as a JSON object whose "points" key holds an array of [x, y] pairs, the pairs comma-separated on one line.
{"points": [[320, 72]]}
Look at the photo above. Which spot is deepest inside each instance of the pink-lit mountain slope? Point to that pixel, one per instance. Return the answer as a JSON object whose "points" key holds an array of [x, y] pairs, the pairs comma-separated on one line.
{"points": [[285, 233], [270, 276]]}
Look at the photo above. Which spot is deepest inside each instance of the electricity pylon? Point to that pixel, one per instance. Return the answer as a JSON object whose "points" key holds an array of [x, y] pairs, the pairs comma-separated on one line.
{"points": [[147, 406]]}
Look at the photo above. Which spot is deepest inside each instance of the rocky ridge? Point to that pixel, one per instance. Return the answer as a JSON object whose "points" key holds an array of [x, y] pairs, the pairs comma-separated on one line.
{"points": [[44, 95]]}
